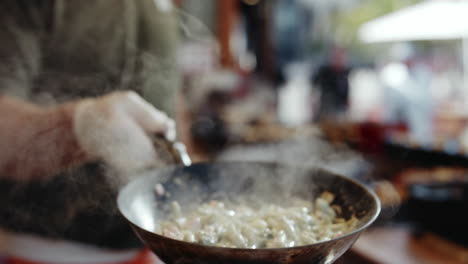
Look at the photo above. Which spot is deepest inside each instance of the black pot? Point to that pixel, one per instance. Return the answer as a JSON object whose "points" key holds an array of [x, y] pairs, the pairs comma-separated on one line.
{"points": [[440, 207]]}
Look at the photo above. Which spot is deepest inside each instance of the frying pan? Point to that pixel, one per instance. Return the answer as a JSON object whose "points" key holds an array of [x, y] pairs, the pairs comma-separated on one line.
{"points": [[144, 207]]}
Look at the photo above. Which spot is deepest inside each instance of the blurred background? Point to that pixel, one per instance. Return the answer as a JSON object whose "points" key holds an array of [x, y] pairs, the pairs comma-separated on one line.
{"points": [[375, 90], [372, 89]]}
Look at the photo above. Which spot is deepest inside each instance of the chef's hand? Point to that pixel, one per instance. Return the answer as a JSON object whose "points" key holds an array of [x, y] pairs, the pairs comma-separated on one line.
{"points": [[116, 128], [38, 142]]}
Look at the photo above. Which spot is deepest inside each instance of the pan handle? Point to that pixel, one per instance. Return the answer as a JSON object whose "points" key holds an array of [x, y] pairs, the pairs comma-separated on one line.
{"points": [[181, 150], [173, 151]]}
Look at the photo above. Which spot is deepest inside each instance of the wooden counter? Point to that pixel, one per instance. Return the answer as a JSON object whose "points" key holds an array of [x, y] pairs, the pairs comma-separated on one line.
{"points": [[396, 245]]}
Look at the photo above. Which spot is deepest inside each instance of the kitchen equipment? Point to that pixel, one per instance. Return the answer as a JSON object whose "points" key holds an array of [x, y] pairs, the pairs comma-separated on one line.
{"points": [[143, 207], [170, 152], [434, 201], [439, 207]]}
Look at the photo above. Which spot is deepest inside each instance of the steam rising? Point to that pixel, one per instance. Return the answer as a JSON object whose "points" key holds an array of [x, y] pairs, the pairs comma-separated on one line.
{"points": [[314, 152], [254, 183], [305, 152]]}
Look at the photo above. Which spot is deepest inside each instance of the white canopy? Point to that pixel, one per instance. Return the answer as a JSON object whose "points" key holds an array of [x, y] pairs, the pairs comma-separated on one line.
{"points": [[430, 20]]}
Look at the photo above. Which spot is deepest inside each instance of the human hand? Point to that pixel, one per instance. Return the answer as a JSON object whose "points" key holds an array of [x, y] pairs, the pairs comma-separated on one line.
{"points": [[116, 129]]}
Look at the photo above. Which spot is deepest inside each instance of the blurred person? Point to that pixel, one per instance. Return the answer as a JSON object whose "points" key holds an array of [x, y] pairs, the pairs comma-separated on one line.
{"points": [[258, 18], [420, 107], [331, 79], [408, 99], [295, 105], [393, 77], [292, 20], [57, 205]]}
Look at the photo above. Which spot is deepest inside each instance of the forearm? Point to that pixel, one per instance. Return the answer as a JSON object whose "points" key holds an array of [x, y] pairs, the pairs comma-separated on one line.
{"points": [[36, 142]]}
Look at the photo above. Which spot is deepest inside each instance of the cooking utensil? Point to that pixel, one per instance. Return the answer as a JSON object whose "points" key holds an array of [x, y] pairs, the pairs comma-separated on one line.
{"points": [[144, 207], [170, 152]]}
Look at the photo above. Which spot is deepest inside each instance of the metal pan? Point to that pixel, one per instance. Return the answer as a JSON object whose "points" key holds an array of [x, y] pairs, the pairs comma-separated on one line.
{"points": [[143, 207]]}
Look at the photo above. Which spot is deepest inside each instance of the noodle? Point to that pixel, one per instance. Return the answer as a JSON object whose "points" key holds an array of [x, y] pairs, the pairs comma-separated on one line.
{"points": [[242, 225]]}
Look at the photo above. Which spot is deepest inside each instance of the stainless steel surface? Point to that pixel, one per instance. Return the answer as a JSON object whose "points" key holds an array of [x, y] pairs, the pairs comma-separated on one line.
{"points": [[170, 152]]}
